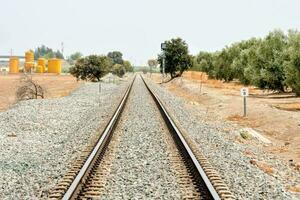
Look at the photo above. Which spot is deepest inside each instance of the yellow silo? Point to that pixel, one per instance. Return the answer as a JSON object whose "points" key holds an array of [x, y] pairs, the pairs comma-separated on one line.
{"points": [[13, 65], [54, 65], [29, 60], [41, 65]]}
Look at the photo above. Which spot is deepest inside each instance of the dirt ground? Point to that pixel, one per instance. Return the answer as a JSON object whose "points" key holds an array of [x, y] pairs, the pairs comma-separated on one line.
{"points": [[274, 116], [54, 85]]}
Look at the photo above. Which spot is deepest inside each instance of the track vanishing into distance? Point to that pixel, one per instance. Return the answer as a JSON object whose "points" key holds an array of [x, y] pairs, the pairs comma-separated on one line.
{"points": [[89, 176]]}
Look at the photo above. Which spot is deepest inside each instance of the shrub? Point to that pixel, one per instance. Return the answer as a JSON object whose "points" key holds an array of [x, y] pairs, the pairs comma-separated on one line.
{"points": [[128, 66], [118, 70]]}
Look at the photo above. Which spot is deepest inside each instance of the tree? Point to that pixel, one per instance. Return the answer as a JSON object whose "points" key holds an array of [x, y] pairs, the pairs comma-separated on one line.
{"points": [[241, 64], [152, 63], [91, 68], [116, 57], [292, 63], [177, 58], [267, 62], [119, 70], [223, 63], [204, 61], [74, 57], [46, 52], [127, 65], [58, 54]]}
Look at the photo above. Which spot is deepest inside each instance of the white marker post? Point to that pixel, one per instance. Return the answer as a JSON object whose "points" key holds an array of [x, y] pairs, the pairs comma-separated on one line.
{"points": [[245, 93]]}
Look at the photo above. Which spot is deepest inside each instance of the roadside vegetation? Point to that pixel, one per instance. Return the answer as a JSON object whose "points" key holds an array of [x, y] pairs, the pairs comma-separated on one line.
{"points": [[94, 67], [271, 63]]}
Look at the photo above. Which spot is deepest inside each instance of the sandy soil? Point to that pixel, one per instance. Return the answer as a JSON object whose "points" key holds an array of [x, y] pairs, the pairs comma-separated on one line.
{"points": [[274, 116], [55, 86]]}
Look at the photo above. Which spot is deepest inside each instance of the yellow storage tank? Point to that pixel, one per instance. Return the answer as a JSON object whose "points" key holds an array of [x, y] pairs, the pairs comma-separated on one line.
{"points": [[54, 65], [39, 69], [29, 56], [41, 65], [42, 61], [29, 60], [13, 65]]}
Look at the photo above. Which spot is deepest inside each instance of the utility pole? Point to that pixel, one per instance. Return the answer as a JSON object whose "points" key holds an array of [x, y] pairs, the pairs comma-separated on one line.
{"points": [[62, 48]]}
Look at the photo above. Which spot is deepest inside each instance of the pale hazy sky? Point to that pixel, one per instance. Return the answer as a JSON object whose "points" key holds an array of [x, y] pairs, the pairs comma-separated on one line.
{"points": [[137, 27]]}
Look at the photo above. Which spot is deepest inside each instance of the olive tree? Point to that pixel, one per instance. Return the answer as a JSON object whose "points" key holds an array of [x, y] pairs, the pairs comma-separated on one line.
{"points": [[177, 58], [127, 65], [268, 72], [241, 64], [118, 70], [116, 56], [223, 63], [204, 61], [91, 68], [292, 64], [74, 57]]}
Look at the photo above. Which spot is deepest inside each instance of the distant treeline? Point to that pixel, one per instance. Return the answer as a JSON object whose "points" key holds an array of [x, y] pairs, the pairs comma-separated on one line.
{"points": [[46, 52], [272, 62]]}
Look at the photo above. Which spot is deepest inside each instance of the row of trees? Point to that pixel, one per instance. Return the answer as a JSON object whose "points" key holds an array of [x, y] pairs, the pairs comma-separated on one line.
{"points": [[94, 67], [272, 62], [46, 52], [74, 57]]}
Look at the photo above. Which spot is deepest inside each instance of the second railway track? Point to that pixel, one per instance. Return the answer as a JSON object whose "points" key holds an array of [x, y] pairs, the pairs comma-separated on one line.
{"points": [[151, 159]]}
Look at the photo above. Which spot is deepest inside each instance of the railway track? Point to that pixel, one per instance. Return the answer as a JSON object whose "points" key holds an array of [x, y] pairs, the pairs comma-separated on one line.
{"points": [[200, 180]]}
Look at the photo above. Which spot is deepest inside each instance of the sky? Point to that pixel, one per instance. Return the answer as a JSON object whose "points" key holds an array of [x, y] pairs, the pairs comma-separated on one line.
{"points": [[137, 27]]}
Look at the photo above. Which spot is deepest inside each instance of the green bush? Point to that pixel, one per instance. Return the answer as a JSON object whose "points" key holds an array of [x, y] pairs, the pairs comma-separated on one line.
{"points": [[292, 63], [177, 58], [91, 68], [118, 70]]}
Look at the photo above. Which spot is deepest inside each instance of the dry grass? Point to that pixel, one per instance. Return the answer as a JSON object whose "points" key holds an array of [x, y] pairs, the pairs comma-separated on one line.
{"points": [[295, 189], [288, 106], [243, 120], [262, 166], [55, 86], [218, 84], [249, 154], [236, 118]]}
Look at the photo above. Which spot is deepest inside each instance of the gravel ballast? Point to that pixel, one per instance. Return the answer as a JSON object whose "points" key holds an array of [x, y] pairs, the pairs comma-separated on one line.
{"points": [[141, 167], [244, 179], [39, 139]]}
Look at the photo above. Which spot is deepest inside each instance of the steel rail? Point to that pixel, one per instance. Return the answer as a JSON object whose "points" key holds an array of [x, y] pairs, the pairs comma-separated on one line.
{"points": [[184, 147], [75, 187]]}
